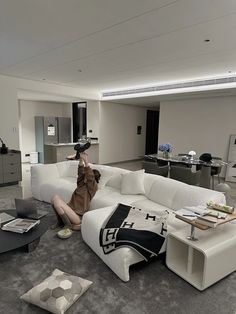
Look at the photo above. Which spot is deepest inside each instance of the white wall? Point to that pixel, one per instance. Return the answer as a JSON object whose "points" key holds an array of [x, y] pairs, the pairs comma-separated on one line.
{"points": [[9, 130], [93, 115], [202, 125], [118, 132], [9, 87], [28, 110]]}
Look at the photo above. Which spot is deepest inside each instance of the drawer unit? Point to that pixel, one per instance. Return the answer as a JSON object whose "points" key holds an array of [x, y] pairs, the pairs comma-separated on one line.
{"points": [[10, 167], [11, 177]]}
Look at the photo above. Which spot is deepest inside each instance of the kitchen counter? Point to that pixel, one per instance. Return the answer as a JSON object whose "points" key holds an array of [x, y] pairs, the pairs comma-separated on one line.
{"points": [[58, 152], [68, 144]]}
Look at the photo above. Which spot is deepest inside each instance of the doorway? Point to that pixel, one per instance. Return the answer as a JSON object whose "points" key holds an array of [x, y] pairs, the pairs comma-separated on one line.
{"points": [[152, 129], [79, 118]]}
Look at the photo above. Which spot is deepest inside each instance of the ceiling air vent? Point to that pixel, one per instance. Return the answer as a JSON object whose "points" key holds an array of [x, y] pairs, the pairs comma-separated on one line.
{"points": [[170, 86]]}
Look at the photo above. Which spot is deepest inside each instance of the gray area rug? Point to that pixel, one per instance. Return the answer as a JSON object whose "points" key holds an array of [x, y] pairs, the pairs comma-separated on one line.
{"points": [[152, 288]]}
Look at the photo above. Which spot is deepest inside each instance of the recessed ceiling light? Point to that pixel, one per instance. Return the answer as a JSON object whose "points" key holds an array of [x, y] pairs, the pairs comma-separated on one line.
{"points": [[207, 40]]}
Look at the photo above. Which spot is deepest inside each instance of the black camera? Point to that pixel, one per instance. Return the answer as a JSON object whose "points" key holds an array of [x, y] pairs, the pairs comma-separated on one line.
{"points": [[80, 148]]}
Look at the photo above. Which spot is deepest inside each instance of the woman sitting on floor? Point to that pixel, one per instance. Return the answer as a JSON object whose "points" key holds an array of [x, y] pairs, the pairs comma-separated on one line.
{"points": [[69, 215]]}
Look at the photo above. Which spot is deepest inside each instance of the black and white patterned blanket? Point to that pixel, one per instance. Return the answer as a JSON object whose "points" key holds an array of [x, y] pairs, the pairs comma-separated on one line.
{"points": [[128, 226]]}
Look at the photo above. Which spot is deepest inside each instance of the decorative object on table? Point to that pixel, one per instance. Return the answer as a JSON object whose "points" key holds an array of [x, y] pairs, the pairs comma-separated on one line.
{"points": [[57, 292], [206, 157], [4, 148], [192, 153], [222, 207], [166, 149]]}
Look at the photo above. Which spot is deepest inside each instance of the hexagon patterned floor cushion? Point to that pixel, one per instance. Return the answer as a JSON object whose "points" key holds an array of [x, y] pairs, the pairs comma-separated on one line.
{"points": [[57, 292]]}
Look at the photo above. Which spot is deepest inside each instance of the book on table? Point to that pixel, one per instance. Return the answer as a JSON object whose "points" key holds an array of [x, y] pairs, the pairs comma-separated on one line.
{"points": [[20, 225], [190, 213], [209, 221]]}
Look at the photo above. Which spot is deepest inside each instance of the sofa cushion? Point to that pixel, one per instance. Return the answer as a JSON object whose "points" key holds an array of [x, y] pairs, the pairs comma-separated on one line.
{"points": [[110, 196], [149, 179], [63, 187], [67, 168], [106, 175], [164, 189], [147, 205], [115, 181], [194, 195], [133, 182], [41, 174]]}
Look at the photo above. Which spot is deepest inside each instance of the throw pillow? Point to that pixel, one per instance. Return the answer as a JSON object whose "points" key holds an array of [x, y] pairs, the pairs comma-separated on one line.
{"points": [[133, 182], [57, 292], [106, 175]]}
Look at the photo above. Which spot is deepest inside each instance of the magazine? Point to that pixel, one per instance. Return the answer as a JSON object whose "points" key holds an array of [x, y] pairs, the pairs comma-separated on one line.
{"points": [[190, 213], [20, 225], [4, 217]]}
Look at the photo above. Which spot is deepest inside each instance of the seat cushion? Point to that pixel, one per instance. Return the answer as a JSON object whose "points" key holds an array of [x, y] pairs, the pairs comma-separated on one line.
{"points": [[147, 205], [109, 196]]}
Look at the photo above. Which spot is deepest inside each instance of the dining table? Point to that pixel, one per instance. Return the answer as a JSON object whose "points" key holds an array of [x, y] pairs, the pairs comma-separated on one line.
{"points": [[205, 177]]}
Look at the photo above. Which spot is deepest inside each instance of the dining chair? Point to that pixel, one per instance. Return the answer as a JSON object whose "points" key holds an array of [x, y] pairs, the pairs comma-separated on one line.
{"points": [[185, 175], [215, 171], [154, 168]]}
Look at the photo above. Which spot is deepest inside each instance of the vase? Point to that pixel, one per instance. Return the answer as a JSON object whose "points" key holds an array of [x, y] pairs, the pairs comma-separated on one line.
{"points": [[165, 154]]}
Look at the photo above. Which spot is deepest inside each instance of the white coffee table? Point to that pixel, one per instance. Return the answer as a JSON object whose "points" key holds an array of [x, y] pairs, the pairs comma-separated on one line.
{"points": [[206, 261]]}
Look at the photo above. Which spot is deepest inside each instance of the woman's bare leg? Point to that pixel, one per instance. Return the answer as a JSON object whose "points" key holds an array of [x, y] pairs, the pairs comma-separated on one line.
{"points": [[62, 208]]}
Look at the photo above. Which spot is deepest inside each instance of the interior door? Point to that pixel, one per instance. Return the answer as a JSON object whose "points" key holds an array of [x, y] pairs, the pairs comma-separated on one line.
{"points": [[152, 129]]}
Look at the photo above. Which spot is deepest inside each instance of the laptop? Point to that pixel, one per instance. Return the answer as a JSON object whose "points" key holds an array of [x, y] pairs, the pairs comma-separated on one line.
{"points": [[26, 209]]}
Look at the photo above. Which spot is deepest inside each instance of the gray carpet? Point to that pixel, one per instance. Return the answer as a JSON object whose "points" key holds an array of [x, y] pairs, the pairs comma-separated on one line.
{"points": [[152, 288]]}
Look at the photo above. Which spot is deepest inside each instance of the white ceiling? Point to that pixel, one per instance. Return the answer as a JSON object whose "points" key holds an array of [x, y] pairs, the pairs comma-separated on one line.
{"points": [[109, 45]]}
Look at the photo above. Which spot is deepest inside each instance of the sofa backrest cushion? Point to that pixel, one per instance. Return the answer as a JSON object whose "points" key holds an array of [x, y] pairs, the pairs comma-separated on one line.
{"points": [[133, 182], [149, 179], [41, 174], [164, 189], [107, 173], [115, 180], [68, 168], [195, 195]]}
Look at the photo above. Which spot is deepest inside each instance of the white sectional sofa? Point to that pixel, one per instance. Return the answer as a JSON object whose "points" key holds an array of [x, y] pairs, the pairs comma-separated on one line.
{"points": [[158, 194]]}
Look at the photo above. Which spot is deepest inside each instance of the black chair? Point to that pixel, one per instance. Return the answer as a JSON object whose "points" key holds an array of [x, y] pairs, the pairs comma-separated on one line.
{"points": [[154, 159], [185, 175], [154, 168]]}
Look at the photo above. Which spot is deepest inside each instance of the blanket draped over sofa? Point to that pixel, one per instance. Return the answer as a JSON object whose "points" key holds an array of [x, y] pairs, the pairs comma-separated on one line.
{"points": [[131, 227]]}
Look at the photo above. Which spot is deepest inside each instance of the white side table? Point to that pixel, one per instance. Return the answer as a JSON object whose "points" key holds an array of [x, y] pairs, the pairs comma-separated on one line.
{"points": [[206, 261]]}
